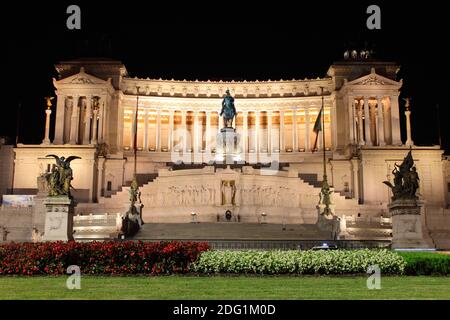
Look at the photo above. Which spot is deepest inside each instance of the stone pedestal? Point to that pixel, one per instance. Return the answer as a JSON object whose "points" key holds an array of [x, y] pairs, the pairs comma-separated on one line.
{"points": [[39, 209], [407, 229], [329, 223], [227, 146], [58, 218]]}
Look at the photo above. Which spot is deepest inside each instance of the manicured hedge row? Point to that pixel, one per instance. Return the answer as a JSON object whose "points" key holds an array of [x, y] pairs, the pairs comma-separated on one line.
{"points": [[299, 262], [426, 263], [99, 257]]}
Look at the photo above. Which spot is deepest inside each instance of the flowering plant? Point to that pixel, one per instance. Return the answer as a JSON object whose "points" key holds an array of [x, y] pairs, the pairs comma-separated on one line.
{"points": [[127, 257], [299, 262]]}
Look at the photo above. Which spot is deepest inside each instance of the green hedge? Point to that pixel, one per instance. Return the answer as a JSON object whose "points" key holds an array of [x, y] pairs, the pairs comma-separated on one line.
{"points": [[298, 262], [426, 263]]}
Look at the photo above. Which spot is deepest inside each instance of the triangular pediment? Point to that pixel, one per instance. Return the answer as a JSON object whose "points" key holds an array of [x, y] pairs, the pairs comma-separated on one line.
{"points": [[373, 79], [82, 78]]}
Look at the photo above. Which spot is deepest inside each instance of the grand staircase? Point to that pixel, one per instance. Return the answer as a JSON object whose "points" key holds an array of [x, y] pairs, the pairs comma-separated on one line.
{"points": [[244, 231], [242, 236]]}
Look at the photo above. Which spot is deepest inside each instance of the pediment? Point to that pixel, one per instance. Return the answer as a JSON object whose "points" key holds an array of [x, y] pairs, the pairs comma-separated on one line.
{"points": [[373, 79], [82, 78]]}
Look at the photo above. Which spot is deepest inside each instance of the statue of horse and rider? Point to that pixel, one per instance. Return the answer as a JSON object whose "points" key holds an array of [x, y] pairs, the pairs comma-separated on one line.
{"points": [[228, 110]]}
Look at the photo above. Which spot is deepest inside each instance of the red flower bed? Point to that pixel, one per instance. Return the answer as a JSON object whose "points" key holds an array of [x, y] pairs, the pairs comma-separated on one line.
{"points": [[127, 257]]}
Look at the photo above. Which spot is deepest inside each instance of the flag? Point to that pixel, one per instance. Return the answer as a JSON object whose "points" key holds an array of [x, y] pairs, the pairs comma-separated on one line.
{"points": [[317, 128]]}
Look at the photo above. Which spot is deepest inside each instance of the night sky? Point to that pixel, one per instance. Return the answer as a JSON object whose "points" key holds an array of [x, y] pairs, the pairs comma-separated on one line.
{"points": [[224, 40]]}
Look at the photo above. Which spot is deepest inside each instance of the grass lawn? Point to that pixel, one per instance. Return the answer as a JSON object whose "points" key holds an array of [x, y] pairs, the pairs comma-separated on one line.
{"points": [[224, 287]]}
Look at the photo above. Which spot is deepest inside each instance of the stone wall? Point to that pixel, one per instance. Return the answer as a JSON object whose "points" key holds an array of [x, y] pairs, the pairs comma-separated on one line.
{"points": [[6, 169], [31, 161], [16, 221]]}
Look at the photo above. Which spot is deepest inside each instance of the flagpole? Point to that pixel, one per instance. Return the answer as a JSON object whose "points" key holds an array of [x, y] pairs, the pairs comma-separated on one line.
{"points": [[323, 137], [135, 132], [325, 188]]}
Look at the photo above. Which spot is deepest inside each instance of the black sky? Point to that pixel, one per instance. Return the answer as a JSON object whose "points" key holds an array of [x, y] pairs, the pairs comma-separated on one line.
{"points": [[224, 40]]}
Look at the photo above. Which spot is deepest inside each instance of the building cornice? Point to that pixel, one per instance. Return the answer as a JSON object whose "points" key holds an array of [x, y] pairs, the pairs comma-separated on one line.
{"points": [[239, 89]]}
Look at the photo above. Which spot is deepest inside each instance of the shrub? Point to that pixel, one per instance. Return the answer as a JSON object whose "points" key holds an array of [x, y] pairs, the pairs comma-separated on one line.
{"points": [[426, 263], [298, 262], [127, 257]]}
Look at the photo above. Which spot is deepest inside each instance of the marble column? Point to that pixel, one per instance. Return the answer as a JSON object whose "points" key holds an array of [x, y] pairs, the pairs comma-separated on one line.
{"points": [[355, 167], [46, 140], [133, 120], [244, 138], [171, 128], [184, 129], [281, 133], [376, 139], [307, 130], [409, 141], [101, 119], [94, 126], [257, 124], [360, 125], [269, 132], [208, 131], [145, 130], [351, 119], [195, 138], [60, 119], [87, 120], [101, 177], [158, 130], [395, 121], [294, 131], [320, 140], [74, 121], [380, 114], [367, 121]]}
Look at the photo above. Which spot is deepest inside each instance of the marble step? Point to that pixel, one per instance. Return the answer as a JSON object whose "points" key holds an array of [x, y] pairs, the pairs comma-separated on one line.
{"points": [[228, 231]]}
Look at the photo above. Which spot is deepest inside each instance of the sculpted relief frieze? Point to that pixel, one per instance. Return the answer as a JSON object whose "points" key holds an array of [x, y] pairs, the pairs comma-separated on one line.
{"points": [[81, 80]]}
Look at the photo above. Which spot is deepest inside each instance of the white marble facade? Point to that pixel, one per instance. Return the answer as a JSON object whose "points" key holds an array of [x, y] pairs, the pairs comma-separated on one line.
{"points": [[178, 120]]}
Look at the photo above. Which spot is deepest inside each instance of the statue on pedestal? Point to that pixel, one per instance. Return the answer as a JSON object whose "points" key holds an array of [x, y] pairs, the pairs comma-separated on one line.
{"points": [[405, 208], [132, 220], [228, 192], [228, 110], [406, 180], [59, 180]]}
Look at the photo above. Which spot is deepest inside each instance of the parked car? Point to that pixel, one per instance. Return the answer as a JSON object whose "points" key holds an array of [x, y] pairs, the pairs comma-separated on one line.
{"points": [[325, 246]]}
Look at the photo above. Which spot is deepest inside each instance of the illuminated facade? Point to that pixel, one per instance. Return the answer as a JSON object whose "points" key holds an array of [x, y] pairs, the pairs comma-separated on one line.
{"points": [[178, 120]]}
